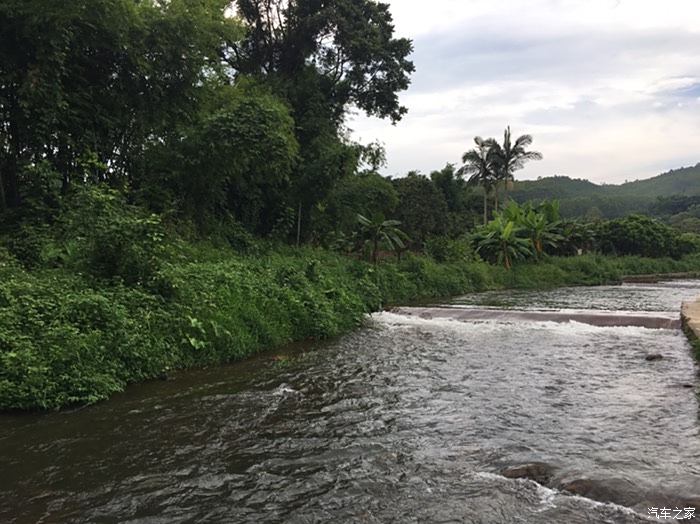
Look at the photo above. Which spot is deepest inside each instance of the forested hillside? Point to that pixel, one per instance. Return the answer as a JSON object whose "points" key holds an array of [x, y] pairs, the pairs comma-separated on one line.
{"points": [[664, 195], [684, 181]]}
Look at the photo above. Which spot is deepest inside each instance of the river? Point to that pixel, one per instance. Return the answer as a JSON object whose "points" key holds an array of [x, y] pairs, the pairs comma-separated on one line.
{"points": [[410, 419]]}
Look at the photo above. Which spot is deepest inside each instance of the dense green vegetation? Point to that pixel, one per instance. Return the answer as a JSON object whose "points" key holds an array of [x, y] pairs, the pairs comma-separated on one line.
{"points": [[177, 188], [108, 295], [521, 232]]}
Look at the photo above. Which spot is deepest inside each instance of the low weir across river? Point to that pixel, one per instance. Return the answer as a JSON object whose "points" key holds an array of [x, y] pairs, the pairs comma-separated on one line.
{"points": [[501, 407], [602, 319]]}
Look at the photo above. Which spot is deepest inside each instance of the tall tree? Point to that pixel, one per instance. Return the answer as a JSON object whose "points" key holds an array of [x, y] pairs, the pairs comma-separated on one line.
{"points": [[368, 194], [234, 160], [85, 82], [463, 204], [511, 157], [479, 164], [422, 209], [348, 43], [324, 57], [452, 187]]}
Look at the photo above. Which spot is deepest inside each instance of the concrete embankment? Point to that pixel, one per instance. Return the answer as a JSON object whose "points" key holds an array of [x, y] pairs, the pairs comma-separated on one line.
{"points": [[658, 277], [690, 317]]}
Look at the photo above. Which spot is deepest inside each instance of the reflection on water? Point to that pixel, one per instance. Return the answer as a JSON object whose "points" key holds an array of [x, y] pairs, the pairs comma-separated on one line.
{"points": [[407, 420]]}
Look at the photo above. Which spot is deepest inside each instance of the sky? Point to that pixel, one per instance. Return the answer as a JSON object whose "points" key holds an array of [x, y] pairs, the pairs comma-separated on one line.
{"points": [[609, 89]]}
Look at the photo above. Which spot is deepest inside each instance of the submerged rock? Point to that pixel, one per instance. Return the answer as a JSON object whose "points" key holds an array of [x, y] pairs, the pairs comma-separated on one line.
{"points": [[654, 357], [615, 490], [540, 472]]}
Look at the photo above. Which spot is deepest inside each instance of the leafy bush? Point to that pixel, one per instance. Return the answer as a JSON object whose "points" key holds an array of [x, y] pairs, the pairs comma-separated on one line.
{"points": [[688, 243], [64, 343], [30, 244], [504, 242], [445, 249], [108, 238], [640, 235]]}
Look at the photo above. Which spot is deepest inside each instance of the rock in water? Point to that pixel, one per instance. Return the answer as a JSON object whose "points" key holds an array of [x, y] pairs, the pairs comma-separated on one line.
{"points": [[618, 491], [540, 472], [654, 357]]}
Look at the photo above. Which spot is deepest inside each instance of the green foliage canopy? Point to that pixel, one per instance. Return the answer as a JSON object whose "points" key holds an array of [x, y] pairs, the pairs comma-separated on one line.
{"points": [[81, 80], [422, 209]]}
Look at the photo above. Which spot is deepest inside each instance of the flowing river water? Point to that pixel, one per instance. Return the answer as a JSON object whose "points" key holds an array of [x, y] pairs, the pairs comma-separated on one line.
{"points": [[418, 417]]}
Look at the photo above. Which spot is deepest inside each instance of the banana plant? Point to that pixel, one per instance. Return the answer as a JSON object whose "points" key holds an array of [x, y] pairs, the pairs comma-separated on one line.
{"points": [[499, 241], [542, 233], [378, 230]]}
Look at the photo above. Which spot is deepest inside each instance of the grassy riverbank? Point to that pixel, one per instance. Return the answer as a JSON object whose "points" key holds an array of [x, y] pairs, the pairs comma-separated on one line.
{"points": [[69, 336]]}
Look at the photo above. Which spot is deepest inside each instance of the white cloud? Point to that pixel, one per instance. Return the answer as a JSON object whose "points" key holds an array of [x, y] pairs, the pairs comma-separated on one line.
{"points": [[554, 16], [609, 88]]}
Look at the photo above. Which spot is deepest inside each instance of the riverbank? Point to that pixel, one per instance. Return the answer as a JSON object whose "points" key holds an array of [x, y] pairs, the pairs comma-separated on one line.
{"points": [[690, 318], [654, 278], [67, 337]]}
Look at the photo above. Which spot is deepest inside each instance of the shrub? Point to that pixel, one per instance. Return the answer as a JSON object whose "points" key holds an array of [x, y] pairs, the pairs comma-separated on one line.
{"points": [[444, 249], [639, 235], [110, 239], [63, 343], [687, 243]]}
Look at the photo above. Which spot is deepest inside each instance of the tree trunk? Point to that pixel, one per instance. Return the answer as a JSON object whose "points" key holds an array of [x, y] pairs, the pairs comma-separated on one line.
{"points": [[486, 207], [3, 201], [10, 184], [506, 256], [10, 169], [375, 251], [299, 226], [495, 199], [10, 162]]}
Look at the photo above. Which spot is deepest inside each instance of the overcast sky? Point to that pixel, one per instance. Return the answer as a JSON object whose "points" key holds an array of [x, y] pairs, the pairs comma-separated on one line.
{"points": [[610, 89]]}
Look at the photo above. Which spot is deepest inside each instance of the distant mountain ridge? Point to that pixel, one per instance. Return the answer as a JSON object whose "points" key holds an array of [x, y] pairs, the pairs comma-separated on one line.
{"points": [[683, 181], [582, 197]]}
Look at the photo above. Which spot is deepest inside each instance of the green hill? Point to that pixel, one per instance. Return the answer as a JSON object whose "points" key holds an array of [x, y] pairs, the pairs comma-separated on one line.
{"points": [[663, 195], [559, 187], [684, 181]]}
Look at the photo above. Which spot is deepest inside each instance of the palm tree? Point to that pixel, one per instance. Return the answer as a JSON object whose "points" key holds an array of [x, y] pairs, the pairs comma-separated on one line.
{"points": [[510, 157], [378, 230], [479, 164]]}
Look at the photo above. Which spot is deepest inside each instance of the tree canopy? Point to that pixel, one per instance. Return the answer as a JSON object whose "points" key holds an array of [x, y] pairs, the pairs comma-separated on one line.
{"points": [[224, 115], [212, 107], [85, 86], [347, 44]]}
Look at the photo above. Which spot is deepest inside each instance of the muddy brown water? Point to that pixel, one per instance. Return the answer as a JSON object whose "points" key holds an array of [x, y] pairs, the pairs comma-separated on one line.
{"points": [[409, 419]]}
